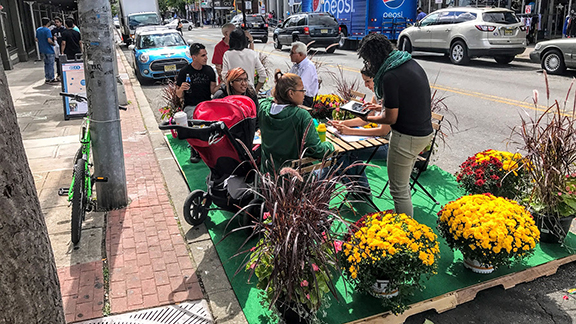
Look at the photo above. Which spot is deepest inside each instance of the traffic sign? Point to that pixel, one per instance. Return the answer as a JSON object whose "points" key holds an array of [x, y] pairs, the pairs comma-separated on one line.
{"points": [[527, 9]]}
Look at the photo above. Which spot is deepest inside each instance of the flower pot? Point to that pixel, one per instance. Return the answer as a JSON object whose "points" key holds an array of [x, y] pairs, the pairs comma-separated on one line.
{"points": [[553, 229], [380, 289], [477, 267], [290, 315]]}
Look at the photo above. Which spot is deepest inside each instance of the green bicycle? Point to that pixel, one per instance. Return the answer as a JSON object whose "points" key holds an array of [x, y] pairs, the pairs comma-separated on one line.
{"points": [[80, 196]]}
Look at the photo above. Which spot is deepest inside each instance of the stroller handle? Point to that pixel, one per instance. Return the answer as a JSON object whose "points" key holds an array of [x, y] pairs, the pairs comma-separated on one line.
{"points": [[212, 125]]}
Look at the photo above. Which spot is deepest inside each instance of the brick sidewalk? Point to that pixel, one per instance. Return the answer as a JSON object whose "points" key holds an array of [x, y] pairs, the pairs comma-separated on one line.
{"points": [[148, 261]]}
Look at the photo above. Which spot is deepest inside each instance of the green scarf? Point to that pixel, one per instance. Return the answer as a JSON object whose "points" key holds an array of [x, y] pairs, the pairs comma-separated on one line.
{"points": [[394, 60]]}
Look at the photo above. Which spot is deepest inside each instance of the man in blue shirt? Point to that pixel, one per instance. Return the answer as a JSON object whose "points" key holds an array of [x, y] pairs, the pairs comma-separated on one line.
{"points": [[46, 48], [421, 14]]}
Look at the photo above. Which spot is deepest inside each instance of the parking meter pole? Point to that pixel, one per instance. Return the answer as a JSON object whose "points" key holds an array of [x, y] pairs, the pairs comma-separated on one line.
{"points": [[99, 57], [122, 99]]}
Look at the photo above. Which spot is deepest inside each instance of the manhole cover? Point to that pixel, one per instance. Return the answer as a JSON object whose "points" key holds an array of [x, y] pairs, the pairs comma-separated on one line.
{"points": [[184, 313]]}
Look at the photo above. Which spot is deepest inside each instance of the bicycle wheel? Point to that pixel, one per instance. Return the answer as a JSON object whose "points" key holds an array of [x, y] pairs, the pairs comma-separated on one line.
{"points": [[78, 155], [78, 200]]}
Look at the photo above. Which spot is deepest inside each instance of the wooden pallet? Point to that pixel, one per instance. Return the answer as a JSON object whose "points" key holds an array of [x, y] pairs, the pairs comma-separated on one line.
{"points": [[452, 299]]}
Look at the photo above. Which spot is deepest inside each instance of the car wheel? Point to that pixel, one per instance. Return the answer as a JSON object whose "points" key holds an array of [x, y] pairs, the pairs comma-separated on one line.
{"points": [[405, 45], [277, 44], [190, 28], [265, 39], [504, 59], [459, 53], [344, 43], [553, 62]]}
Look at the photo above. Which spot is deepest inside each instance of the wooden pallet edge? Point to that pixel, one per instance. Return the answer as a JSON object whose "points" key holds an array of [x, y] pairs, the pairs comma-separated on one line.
{"points": [[440, 303], [452, 299]]}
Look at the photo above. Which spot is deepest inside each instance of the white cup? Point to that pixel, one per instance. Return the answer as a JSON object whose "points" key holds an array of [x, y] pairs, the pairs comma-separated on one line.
{"points": [[181, 119]]}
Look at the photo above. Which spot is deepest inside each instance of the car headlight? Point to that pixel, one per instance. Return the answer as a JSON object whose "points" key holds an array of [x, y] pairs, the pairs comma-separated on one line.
{"points": [[538, 46], [144, 58]]}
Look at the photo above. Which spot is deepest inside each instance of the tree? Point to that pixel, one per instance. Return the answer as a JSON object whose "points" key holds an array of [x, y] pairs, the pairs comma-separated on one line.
{"points": [[29, 285]]}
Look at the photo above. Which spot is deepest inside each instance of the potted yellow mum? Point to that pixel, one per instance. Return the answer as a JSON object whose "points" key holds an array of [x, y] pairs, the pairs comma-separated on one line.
{"points": [[387, 254], [490, 231]]}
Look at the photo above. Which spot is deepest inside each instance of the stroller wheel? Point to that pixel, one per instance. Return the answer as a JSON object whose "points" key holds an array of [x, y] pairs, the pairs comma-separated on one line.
{"points": [[196, 207]]}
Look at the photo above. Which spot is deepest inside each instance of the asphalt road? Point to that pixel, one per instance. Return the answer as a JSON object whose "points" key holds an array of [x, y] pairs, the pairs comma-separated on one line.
{"points": [[485, 101]]}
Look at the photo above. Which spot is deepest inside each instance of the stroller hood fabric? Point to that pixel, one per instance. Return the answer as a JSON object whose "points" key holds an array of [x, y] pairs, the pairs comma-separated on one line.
{"points": [[224, 157]]}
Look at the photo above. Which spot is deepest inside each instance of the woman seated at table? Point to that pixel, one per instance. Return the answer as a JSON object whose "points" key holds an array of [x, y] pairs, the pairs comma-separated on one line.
{"points": [[356, 126], [237, 84], [283, 124]]}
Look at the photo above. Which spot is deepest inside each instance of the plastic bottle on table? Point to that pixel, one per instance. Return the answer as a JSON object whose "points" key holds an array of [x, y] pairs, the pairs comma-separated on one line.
{"points": [[321, 132]]}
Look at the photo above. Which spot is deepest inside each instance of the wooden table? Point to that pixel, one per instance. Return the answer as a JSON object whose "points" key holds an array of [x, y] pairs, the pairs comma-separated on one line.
{"points": [[341, 146]]}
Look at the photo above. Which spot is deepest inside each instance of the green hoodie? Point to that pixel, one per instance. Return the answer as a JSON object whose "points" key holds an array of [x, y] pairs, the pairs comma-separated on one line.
{"points": [[282, 135]]}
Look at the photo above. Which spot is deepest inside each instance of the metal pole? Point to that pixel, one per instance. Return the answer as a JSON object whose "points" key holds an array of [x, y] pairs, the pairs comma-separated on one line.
{"points": [[99, 56], [30, 3]]}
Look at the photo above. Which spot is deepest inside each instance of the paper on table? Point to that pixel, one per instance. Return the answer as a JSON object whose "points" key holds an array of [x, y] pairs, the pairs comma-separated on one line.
{"points": [[348, 138]]}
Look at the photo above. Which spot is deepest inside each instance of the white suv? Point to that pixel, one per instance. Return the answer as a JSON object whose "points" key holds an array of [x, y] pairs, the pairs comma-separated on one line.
{"points": [[466, 32]]}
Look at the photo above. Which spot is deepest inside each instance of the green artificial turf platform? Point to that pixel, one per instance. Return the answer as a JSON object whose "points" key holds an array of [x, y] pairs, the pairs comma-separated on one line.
{"points": [[351, 306]]}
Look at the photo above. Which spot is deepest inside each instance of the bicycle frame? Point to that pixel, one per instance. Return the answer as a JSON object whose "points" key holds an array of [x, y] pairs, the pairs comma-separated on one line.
{"points": [[85, 141]]}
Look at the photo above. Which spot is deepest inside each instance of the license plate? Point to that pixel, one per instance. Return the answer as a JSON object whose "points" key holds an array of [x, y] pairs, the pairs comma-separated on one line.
{"points": [[168, 68], [324, 31], [508, 32]]}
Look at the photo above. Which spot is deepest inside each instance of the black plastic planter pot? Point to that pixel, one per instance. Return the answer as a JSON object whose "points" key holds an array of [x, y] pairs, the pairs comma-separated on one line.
{"points": [[290, 315], [553, 229]]}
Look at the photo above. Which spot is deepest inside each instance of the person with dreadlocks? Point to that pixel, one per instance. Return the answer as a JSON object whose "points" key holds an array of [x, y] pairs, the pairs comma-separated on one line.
{"points": [[403, 85], [237, 83]]}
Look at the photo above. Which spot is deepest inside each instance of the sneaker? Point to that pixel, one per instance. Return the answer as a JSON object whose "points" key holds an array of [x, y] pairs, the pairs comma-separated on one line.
{"points": [[54, 81], [194, 156], [47, 81]]}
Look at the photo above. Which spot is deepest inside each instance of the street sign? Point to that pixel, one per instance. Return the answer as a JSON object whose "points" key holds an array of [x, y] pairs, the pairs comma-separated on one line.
{"points": [[248, 5], [528, 9], [438, 1]]}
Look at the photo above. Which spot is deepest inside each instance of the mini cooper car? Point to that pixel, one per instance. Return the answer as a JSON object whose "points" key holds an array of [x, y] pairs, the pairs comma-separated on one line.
{"points": [[159, 54]]}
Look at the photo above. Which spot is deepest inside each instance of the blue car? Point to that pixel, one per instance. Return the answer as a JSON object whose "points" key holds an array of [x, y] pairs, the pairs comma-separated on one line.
{"points": [[159, 54]]}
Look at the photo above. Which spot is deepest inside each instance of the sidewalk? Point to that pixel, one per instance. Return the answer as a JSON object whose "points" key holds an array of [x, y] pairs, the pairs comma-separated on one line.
{"points": [[146, 261]]}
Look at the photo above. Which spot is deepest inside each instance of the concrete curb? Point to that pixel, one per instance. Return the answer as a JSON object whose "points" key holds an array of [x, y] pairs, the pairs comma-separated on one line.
{"points": [[223, 302]]}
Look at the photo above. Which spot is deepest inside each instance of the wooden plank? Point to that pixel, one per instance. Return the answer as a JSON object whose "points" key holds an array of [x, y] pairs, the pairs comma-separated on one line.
{"points": [[341, 145], [437, 116], [452, 299]]}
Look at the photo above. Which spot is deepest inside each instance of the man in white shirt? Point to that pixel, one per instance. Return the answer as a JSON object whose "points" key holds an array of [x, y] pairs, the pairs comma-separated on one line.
{"points": [[306, 70]]}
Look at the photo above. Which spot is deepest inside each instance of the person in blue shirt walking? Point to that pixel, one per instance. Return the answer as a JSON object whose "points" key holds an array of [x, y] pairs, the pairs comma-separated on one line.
{"points": [[46, 48], [421, 14]]}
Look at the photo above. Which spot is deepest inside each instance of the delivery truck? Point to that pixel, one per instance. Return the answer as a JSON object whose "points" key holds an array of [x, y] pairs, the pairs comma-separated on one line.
{"points": [[137, 13], [358, 18]]}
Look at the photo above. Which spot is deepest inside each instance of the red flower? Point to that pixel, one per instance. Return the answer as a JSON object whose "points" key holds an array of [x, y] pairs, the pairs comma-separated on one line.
{"points": [[480, 182]]}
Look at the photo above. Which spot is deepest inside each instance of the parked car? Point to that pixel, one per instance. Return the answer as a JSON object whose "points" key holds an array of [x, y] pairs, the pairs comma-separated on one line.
{"points": [[159, 54], [256, 25], [555, 55], [186, 25], [116, 22], [314, 29], [466, 32]]}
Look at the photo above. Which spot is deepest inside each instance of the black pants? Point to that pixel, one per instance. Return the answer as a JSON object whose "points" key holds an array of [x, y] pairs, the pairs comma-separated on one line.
{"points": [[308, 101]]}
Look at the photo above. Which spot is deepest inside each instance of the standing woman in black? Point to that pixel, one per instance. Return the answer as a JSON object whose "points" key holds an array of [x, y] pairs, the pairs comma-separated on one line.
{"points": [[403, 86]]}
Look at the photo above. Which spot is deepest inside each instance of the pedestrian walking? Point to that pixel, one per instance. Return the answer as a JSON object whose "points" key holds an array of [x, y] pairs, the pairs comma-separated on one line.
{"points": [[71, 41], [403, 85], [179, 27], [221, 48], [240, 56], [306, 70], [420, 14], [46, 48], [57, 37]]}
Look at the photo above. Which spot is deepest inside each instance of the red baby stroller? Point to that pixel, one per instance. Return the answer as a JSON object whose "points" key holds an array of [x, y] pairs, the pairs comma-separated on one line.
{"points": [[213, 130]]}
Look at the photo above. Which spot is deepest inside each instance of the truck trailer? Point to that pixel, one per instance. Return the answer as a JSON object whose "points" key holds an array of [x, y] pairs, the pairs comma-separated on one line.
{"points": [[358, 18], [137, 13]]}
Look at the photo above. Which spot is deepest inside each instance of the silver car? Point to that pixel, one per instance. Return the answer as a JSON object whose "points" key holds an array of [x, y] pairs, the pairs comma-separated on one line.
{"points": [[465, 32], [555, 55]]}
